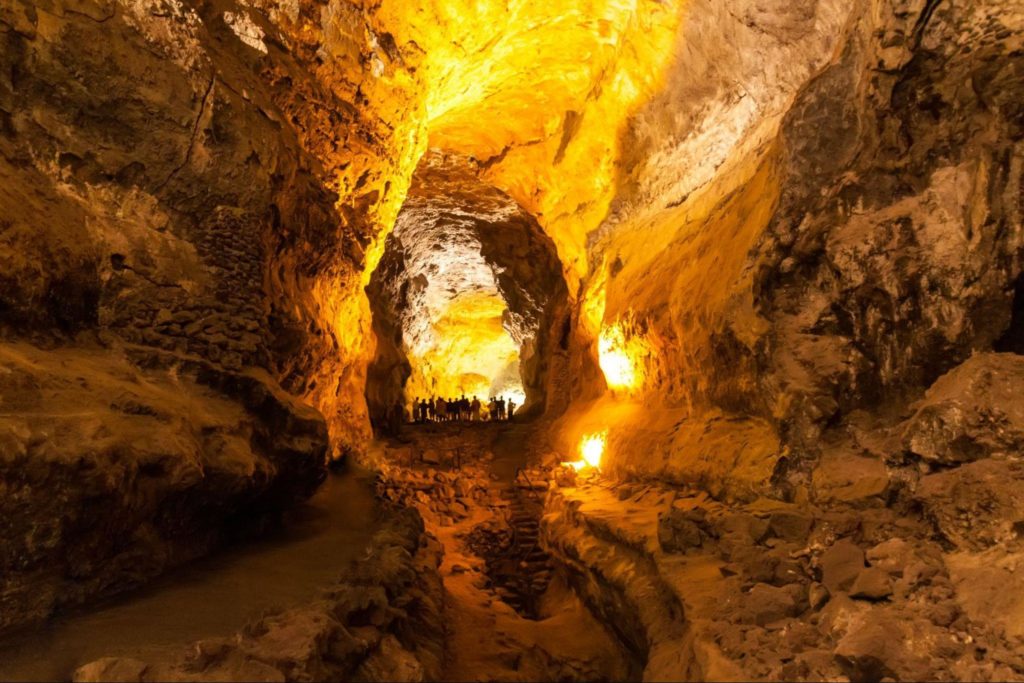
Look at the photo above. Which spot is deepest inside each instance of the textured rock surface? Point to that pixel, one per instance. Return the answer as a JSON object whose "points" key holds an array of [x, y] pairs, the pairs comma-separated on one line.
{"points": [[861, 237], [112, 473], [381, 622]]}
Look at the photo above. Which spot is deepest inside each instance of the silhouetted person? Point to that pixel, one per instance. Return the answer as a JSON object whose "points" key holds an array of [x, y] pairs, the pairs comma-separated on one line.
{"points": [[431, 410], [511, 408], [474, 409], [501, 407], [464, 407], [442, 410]]}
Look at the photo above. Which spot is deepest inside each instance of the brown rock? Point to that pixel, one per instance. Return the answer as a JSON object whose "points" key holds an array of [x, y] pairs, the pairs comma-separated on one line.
{"points": [[817, 595], [114, 669], [866, 652], [850, 478], [681, 530], [790, 526], [891, 556], [872, 584], [765, 604], [975, 505], [972, 412], [840, 565]]}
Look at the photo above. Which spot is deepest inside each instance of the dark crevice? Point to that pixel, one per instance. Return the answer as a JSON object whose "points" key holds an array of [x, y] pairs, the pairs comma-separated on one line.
{"points": [[1012, 340]]}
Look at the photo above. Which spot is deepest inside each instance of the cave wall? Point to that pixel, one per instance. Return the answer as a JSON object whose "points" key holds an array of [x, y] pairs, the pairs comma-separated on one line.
{"points": [[183, 343], [857, 242]]}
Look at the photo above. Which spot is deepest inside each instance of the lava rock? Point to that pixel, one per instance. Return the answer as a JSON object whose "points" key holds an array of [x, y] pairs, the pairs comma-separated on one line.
{"points": [[840, 565], [765, 604], [972, 412], [682, 530], [871, 584]]}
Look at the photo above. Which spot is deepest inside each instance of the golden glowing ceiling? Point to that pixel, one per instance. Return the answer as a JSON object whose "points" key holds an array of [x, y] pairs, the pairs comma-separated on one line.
{"points": [[537, 92]]}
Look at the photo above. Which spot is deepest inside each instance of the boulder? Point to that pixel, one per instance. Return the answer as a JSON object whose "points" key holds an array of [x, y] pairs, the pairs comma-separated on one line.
{"points": [[891, 556], [790, 526], [972, 412], [849, 478], [871, 584], [113, 669], [976, 505], [765, 604], [840, 565], [682, 530], [867, 652]]}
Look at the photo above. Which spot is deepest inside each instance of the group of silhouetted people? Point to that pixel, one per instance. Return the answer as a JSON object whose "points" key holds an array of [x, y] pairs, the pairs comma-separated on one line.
{"points": [[452, 409]]}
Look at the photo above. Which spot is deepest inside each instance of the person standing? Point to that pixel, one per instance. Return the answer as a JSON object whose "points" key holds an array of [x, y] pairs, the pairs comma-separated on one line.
{"points": [[511, 408], [474, 409]]}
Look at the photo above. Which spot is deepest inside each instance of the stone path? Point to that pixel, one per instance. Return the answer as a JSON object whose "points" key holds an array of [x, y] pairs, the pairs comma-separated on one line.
{"points": [[510, 618]]}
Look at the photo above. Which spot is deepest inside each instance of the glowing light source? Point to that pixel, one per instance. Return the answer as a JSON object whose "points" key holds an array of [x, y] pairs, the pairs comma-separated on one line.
{"points": [[591, 451], [464, 349], [620, 355]]}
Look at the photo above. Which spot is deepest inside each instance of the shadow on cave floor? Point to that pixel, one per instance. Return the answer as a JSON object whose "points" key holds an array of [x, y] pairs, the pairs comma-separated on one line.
{"points": [[210, 597]]}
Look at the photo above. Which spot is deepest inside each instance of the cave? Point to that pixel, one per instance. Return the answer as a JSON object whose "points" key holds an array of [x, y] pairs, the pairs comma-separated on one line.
{"points": [[510, 340], [467, 300]]}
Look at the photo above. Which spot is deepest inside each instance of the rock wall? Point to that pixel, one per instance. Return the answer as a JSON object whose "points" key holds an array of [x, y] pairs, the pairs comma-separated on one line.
{"points": [[176, 288], [854, 234]]}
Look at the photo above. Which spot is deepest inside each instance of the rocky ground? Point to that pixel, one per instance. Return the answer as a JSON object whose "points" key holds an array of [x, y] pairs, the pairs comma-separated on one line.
{"points": [[903, 564], [510, 616]]}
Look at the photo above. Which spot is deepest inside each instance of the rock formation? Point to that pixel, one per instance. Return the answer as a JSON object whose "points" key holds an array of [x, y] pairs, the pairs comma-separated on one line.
{"points": [[767, 255]]}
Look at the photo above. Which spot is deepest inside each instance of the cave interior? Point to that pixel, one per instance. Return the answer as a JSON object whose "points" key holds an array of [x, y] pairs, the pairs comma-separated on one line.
{"points": [[508, 340]]}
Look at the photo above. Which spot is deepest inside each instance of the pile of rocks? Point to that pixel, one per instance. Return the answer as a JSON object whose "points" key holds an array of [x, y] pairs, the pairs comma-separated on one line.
{"points": [[774, 590], [442, 497]]}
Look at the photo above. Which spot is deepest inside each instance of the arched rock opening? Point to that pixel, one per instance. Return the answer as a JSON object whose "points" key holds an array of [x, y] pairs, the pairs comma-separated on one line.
{"points": [[468, 298]]}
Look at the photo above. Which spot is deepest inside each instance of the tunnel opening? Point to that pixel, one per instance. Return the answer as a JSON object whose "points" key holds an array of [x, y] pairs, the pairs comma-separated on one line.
{"points": [[468, 301]]}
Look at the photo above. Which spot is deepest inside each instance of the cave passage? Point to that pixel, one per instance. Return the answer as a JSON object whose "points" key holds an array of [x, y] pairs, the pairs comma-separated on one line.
{"points": [[750, 270], [467, 296]]}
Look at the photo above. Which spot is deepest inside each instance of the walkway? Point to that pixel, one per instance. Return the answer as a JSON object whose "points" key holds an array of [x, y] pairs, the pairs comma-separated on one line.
{"points": [[211, 597]]}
